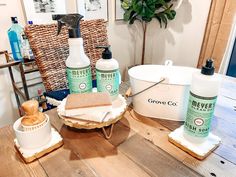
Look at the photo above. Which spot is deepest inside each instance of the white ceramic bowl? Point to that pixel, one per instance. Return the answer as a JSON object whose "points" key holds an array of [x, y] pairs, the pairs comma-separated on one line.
{"points": [[35, 138]]}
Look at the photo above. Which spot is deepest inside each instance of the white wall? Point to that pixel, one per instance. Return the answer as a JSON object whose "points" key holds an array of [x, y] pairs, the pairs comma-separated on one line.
{"points": [[181, 42], [8, 106]]}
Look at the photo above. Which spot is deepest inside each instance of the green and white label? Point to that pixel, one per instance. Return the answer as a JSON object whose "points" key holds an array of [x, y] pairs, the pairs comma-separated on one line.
{"points": [[79, 79], [199, 115], [108, 81]]}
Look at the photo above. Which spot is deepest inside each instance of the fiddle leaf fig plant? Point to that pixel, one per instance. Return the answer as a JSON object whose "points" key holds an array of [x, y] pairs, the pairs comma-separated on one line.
{"points": [[146, 10]]}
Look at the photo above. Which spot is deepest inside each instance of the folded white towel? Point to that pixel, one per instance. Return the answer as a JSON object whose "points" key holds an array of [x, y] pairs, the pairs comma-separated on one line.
{"points": [[95, 116], [118, 106]]}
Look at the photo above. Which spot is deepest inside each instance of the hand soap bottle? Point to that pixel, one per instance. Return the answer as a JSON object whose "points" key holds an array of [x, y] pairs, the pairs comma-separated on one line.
{"points": [[202, 100], [107, 73], [78, 64]]}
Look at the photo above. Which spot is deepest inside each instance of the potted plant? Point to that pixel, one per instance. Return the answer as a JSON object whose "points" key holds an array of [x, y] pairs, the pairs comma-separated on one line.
{"points": [[146, 10]]}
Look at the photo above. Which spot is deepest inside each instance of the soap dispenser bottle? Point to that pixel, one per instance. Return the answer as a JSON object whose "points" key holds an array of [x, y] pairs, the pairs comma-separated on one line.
{"points": [[78, 64], [202, 100], [107, 73], [14, 35]]}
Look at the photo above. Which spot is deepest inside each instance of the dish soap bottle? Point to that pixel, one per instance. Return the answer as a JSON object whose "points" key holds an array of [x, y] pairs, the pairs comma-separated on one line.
{"points": [[107, 73], [202, 100], [78, 64], [14, 35]]}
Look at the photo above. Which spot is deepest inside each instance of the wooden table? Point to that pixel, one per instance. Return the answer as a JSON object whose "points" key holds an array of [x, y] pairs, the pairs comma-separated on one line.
{"points": [[138, 147]]}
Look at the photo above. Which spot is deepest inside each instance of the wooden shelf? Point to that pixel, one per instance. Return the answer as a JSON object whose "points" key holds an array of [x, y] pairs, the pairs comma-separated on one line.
{"points": [[20, 88]]}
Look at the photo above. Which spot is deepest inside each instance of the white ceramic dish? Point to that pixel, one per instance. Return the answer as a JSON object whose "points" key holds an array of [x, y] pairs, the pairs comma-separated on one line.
{"points": [[167, 100], [34, 138]]}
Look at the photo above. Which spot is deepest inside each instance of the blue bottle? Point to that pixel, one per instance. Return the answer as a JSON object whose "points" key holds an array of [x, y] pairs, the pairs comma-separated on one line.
{"points": [[14, 35]]}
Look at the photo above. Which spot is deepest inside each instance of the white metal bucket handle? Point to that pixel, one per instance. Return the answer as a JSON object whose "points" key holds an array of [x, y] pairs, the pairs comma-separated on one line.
{"points": [[168, 63], [146, 88]]}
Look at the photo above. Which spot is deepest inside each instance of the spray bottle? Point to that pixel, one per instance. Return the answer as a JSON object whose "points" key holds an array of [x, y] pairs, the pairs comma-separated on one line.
{"points": [[202, 100], [78, 64], [107, 73]]}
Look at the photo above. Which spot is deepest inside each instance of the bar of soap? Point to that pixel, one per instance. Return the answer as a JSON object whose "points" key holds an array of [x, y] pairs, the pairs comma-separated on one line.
{"points": [[86, 103]]}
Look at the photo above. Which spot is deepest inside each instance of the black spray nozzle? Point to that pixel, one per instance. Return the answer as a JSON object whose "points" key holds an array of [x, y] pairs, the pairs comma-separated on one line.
{"points": [[106, 54], [58, 17], [209, 68], [72, 20]]}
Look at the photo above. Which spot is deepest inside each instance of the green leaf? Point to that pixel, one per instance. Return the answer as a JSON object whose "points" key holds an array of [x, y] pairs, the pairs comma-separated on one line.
{"points": [[138, 7], [164, 19], [125, 4], [146, 10], [132, 19], [127, 15], [159, 19], [173, 12], [162, 3]]}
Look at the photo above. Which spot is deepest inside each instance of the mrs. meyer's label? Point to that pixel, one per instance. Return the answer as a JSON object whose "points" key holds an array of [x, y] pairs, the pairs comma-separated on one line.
{"points": [[108, 81], [199, 115], [79, 79]]}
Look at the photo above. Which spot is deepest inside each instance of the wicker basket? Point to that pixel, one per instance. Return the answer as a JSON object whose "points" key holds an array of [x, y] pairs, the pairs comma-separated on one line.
{"points": [[51, 51]]}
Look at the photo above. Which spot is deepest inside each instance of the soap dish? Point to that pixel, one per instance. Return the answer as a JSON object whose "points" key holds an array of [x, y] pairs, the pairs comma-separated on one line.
{"points": [[197, 150], [29, 155]]}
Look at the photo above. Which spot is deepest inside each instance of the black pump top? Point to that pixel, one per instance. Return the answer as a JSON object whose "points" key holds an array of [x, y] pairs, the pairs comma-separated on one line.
{"points": [[208, 69], [72, 20], [106, 54], [14, 20]]}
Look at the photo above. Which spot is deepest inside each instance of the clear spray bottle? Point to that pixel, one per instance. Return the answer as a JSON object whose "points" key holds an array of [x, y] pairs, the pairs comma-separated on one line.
{"points": [[78, 64]]}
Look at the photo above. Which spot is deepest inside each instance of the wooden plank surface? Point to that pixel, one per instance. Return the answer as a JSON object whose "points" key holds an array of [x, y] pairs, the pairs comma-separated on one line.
{"points": [[157, 134], [61, 162], [97, 152], [154, 160], [11, 162], [139, 147]]}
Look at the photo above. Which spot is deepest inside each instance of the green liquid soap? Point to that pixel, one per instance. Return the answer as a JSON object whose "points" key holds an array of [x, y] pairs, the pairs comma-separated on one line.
{"points": [[108, 74], [78, 64], [78, 68]]}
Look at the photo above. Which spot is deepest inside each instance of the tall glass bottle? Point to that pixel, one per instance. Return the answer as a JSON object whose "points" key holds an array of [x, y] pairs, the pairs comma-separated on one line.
{"points": [[14, 35]]}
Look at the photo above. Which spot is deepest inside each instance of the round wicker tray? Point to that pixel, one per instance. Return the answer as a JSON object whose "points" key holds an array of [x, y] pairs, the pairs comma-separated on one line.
{"points": [[86, 124]]}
